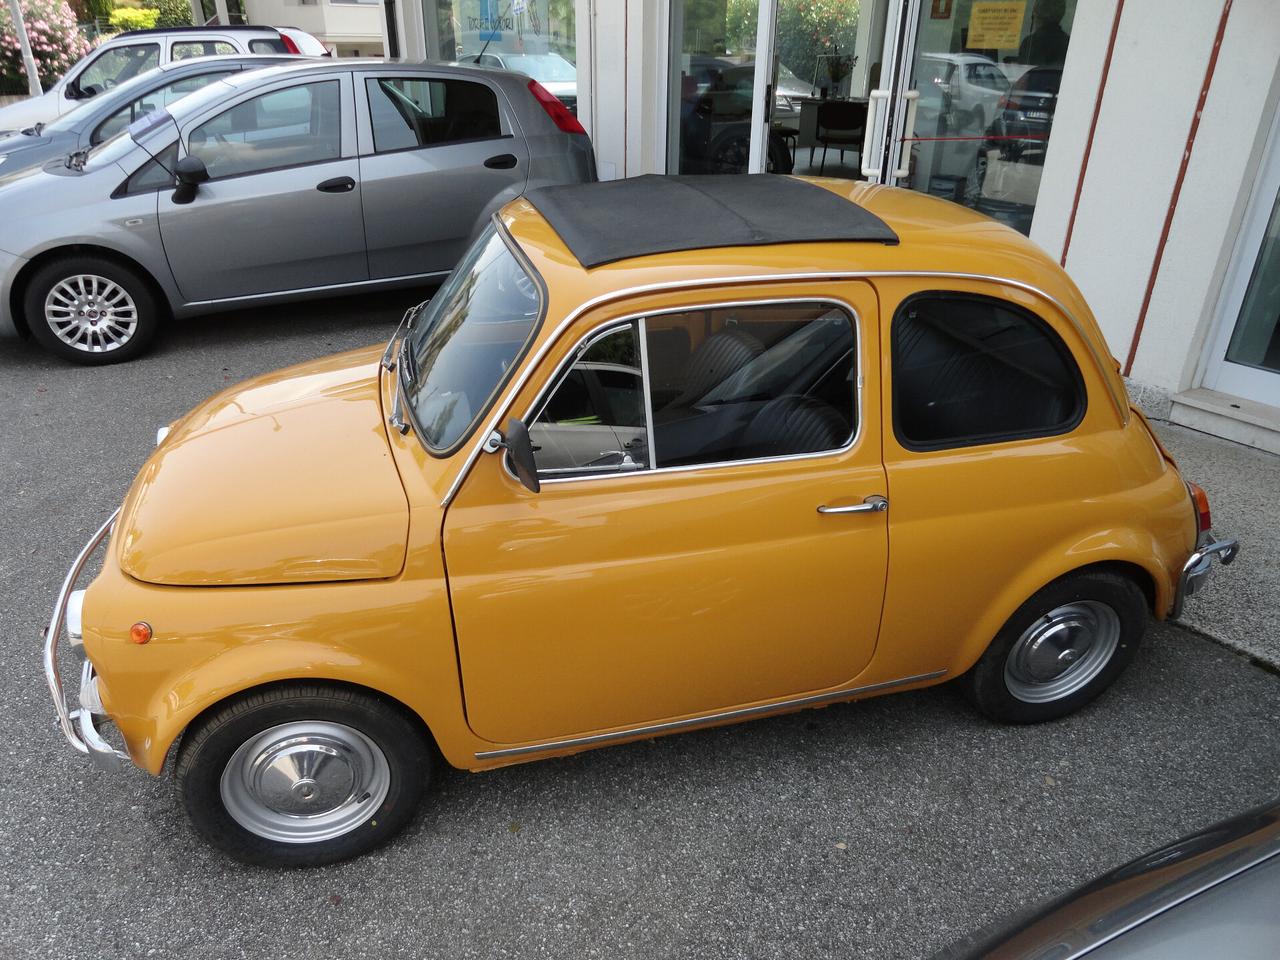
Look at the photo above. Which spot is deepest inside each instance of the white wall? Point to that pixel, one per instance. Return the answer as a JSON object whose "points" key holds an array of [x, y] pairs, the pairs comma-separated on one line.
{"points": [[1158, 66], [622, 59]]}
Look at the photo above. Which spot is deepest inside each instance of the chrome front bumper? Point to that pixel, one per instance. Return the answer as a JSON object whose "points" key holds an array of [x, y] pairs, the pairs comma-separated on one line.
{"points": [[78, 725], [1195, 572]]}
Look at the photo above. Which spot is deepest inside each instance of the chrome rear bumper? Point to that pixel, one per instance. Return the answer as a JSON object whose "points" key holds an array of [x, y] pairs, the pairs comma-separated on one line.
{"points": [[1195, 572], [79, 725]]}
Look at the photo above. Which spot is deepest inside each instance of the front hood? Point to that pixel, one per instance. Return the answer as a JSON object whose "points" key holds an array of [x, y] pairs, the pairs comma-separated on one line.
{"points": [[286, 478]]}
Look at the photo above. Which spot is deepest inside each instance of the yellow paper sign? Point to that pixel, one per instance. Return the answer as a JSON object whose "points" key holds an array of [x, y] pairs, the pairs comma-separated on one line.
{"points": [[995, 25]]}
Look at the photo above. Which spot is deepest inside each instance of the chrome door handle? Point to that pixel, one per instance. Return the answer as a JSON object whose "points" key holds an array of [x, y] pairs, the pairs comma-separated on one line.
{"points": [[872, 504]]}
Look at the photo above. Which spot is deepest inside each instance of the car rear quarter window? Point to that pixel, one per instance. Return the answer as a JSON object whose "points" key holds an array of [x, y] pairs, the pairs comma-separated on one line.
{"points": [[970, 369], [411, 112], [273, 45]]}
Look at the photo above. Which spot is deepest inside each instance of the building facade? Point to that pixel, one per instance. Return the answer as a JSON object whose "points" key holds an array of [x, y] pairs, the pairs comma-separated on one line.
{"points": [[1135, 140]]}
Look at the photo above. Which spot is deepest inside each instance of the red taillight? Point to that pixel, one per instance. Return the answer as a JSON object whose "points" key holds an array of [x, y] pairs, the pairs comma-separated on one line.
{"points": [[1201, 501], [289, 45], [556, 110]]}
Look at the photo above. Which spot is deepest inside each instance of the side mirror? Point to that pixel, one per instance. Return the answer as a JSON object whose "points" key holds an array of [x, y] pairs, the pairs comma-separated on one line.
{"points": [[519, 452], [189, 172]]}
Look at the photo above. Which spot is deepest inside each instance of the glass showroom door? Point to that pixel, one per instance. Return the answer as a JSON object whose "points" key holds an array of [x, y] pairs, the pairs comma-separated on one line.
{"points": [[1245, 357], [967, 111]]}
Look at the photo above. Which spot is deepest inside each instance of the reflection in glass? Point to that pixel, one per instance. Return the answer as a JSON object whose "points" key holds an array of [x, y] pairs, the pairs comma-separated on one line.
{"points": [[988, 88], [594, 420], [1256, 340], [465, 344], [538, 40]]}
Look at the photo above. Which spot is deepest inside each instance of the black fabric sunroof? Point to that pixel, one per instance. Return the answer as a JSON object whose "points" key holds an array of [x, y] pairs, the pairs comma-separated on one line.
{"points": [[619, 219]]}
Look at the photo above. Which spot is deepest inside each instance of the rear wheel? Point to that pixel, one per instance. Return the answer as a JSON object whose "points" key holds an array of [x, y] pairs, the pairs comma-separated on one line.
{"points": [[1060, 649], [91, 310], [302, 776]]}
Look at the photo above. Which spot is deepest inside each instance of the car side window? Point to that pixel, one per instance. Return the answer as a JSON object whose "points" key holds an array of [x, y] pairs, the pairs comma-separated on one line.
{"points": [[186, 49], [283, 128], [969, 369], [724, 384], [594, 420], [155, 174], [154, 100], [409, 112], [751, 382], [118, 64]]}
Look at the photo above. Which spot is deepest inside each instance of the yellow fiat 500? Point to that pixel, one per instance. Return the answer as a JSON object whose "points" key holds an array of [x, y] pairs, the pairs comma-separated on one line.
{"points": [[661, 454]]}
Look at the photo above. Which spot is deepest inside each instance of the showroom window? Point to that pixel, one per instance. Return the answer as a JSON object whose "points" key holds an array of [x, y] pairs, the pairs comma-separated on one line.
{"points": [[537, 38], [969, 369]]}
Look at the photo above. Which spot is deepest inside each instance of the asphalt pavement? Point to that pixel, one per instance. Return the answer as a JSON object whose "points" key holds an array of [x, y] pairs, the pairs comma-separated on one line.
{"points": [[880, 829]]}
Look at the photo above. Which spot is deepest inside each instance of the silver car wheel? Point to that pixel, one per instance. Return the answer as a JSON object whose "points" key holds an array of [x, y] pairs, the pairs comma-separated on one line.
{"points": [[1062, 651], [91, 313], [305, 782]]}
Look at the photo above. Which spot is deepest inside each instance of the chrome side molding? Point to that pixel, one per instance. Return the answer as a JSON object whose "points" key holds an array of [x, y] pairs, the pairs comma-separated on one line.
{"points": [[691, 723]]}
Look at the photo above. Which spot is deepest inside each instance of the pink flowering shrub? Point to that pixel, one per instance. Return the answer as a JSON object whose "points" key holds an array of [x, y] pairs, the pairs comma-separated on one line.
{"points": [[56, 43]]}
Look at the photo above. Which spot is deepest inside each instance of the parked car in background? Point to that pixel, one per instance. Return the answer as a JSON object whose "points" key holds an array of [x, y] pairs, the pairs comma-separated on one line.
{"points": [[1211, 894], [296, 181], [961, 90], [557, 75], [129, 54], [806, 422], [1024, 116], [108, 114], [715, 119]]}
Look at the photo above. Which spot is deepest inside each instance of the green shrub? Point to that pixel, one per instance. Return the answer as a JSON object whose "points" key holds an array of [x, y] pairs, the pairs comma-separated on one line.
{"points": [[123, 18], [173, 13], [56, 43]]}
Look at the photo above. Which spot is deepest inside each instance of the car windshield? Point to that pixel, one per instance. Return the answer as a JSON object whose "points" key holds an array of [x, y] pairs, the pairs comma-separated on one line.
{"points": [[464, 346], [543, 66]]}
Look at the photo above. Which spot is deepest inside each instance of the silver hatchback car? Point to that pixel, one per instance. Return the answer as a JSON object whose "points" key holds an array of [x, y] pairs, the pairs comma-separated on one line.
{"points": [[305, 180]]}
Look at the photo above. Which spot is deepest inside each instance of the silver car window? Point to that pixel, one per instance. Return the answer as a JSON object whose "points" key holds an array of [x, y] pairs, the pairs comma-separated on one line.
{"points": [[114, 66], [410, 112], [282, 128], [153, 100], [187, 49]]}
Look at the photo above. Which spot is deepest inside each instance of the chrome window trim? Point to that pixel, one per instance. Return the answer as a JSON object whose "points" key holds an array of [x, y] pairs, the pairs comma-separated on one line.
{"points": [[584, 344], [738, 713], [533, 362]]}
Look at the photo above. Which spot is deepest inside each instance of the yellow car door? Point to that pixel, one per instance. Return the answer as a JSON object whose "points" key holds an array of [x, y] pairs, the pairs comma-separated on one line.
{"points": [[693, 572]]}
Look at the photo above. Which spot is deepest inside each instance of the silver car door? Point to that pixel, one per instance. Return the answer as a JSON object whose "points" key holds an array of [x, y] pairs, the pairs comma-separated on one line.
{"points": [[281, 208], [437, 151]]}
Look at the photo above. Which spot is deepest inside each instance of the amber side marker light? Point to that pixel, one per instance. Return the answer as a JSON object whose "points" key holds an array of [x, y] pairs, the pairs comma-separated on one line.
{"points": [[1203, 519], [140, 632]]}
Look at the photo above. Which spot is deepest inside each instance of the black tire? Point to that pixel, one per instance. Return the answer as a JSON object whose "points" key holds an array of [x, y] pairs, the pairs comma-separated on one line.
{"points": [[208, 750], [1007, 687], [97, 348]]}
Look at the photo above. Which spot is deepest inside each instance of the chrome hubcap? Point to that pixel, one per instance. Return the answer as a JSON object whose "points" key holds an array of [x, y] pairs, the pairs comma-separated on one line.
{"points": [[305, 782], [1062, 652], [91, 313]]}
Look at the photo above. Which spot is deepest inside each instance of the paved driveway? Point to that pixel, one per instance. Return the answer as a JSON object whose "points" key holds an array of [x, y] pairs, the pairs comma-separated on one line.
{"points": [[880, 829]]}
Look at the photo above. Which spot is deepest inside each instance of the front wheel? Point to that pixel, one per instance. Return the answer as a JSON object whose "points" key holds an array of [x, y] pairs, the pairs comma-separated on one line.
{"points": [[1060, 649], [302, 776], [91, 310]]}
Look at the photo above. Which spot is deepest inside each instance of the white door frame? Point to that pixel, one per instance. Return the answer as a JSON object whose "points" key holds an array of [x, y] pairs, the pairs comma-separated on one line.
{"points": [[890, 107], [766, 56], [1213, 370]]}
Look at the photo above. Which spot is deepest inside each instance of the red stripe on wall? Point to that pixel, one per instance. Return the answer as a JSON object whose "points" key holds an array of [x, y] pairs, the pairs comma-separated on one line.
{"points": [[1093, 126], [1177, 185]]}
